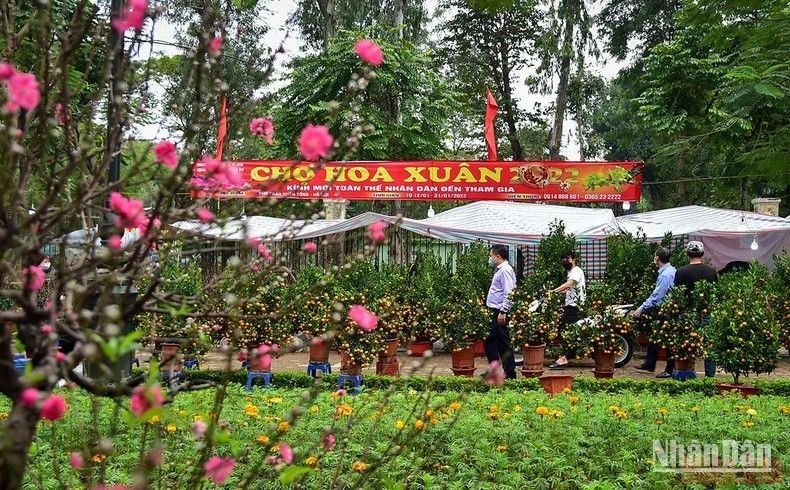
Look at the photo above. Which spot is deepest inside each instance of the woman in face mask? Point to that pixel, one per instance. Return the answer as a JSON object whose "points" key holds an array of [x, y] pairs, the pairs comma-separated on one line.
{"points": [[574, 289]]}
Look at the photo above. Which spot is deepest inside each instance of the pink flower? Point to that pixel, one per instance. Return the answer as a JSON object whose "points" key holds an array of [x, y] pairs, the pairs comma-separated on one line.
{"points": [[217, 327], [76, 461], [53, 408], [263, 126], [265, 252], [23, 90], [130, 213], [11, 107], [46, 329], [131, 18], [286, 453], [341, 392], [34, 277], [7, 70], [366, 320], [214, 46], [221, 175], [496, 375], [328, 441], [144, 399], [198, 429], [310, 248], [369, 51], [253, 242], [60, 357], [315, 142], [204, 215], [166, 154], [219, 469], [114, 242], [29, 397], [376, 232], [60, 115]]}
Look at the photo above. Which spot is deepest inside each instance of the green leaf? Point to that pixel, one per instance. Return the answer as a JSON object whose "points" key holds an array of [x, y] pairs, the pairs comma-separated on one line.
{"points": [[292, 473], [768, 90]]}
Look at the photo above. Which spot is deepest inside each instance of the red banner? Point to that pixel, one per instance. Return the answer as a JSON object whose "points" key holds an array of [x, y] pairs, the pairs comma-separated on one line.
{"points": [[435, 181]]}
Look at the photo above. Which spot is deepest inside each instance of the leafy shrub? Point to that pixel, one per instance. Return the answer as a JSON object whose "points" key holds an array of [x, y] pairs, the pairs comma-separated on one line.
{"points": [[465, 318], [534, 327], [598, 332], [681, 320], [548, 271]]}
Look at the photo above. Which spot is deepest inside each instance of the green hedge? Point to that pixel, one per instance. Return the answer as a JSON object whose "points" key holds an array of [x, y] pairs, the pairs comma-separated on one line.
{"points": [[777, 387]]}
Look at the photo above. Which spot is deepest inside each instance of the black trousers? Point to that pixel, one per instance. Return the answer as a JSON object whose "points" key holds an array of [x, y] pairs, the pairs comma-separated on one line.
{"points": [[498, 345], [651, 358], [570, 315]]}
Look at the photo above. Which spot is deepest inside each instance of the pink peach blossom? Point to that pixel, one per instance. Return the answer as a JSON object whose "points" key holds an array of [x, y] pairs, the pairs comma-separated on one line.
{"points": [[263, 126], [6, 70], [132, 17], [166, 154], [76, 461], [29, 397], [114, 242], [23, 90], [341, 392], [366, 320], [286, 453], [144, 399], [215, 46], [265, 252], [219, 469], [204, 215], [315, 142], [369, 51], [130, 213], [496, 375], [376, 232], [34, 276], [310, 247], [46, 329], [60, 357], [60, 114], [53, 408]]}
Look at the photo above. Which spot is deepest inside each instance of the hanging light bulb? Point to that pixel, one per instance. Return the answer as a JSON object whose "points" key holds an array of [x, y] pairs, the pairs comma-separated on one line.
{"points": [[754, 245], [626, 205], [431, 212]]}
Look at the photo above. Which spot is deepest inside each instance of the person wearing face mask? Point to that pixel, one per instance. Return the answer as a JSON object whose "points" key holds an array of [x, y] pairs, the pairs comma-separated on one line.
{"points": [[498, 301], [574, 289], [664, 282]]}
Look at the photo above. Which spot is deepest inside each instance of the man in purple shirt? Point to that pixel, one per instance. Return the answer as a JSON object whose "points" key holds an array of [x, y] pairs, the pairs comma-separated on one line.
{"points": [[498, 301], [664, 282]]}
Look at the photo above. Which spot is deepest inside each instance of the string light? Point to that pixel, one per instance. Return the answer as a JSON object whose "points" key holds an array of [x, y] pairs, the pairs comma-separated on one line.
{"points": [[754, 245], [626, 205], [431, 212]]}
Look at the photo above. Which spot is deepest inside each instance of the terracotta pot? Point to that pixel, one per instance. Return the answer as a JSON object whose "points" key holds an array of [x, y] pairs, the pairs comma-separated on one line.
{"points": [[169, 356], [534, 356], [556, 384], [662, 354], [391, 349], [643, 339], [463, 361], [388, 368], [685, 364], [418, 347], [480, 348], [319, 353], [746, 390], [347, 365]]}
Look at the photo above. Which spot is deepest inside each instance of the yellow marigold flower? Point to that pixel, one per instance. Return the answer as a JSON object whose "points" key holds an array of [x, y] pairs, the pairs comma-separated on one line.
{"points": [[251, 410], [429, 413], [621, 414], [155, 420], [283, 426], [751, 412], [434, 421], [455, 406], [400, 425], [573, 399], [359, 466], [196, 418], [747, 423], [343, 409], [501, 447], [695, 409], [419, 424], [3, 415], [516, 408], [663, 411], [314, 409], [659, 422], [311, 461], [276, 399], [493, 408], [98, 458], [613, 408], [183, 413], [170, 428], [542, 411], [334, 394], [275, 448], [262, 439], [566, 390], [784, 409], [557, 413]]}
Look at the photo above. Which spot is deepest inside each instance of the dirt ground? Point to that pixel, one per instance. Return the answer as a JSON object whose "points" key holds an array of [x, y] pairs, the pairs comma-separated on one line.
{"points": [[439, 364]]}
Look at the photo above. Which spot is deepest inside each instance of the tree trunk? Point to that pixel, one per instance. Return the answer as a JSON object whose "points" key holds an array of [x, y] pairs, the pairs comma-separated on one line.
{"points": [[562, 92], [20, 429], [507, 104], [327, 8], [680, 165]]}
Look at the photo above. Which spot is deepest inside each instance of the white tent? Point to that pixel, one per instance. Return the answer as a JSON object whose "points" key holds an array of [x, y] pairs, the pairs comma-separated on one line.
{"points": [[262, 227], [728, 235]]}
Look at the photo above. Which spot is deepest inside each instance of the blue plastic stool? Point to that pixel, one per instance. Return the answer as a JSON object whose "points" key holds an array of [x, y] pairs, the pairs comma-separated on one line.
{"points": [[314, 367], [683, 375], [354, 379], [20, 361], [253, 375], [191, 364]]}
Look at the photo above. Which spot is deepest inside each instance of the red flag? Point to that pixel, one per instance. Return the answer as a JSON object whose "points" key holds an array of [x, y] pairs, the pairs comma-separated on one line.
{"points": [[222, 132], [491, 109]]}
